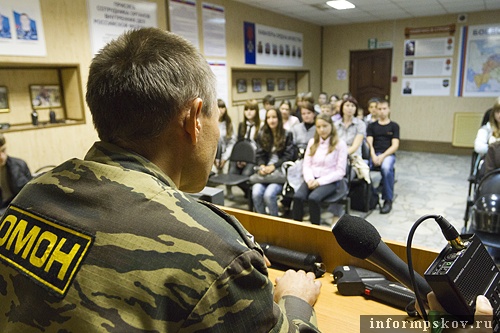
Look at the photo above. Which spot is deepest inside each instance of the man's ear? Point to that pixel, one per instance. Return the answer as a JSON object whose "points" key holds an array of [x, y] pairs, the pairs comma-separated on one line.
{"points": [[192, 124]]}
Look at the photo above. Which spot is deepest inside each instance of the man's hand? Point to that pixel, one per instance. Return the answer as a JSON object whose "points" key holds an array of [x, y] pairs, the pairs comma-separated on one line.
{"points": [[299, 284], [377, 160], [484, 312]]}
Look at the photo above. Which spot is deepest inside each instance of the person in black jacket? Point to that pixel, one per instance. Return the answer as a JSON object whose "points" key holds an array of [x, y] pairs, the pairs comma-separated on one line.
{"points": [[14, 174], [274, 146]]}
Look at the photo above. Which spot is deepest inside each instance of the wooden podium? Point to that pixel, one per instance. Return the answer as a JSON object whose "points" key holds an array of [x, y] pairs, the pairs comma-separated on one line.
{"points": [[336, 313]]}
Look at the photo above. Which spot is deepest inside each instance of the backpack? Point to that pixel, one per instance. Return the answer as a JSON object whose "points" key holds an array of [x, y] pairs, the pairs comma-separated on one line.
{"points": [[364, 196]]}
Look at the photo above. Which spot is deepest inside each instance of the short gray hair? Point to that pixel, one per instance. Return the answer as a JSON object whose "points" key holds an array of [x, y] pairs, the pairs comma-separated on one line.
{"points": [[139, 82]]}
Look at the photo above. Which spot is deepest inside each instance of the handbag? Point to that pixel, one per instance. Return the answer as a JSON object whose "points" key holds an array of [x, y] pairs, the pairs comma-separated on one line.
{"points": [[276, 177]]}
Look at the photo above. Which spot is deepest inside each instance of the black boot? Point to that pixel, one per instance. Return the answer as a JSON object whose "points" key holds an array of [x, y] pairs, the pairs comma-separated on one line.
{"points": [[386, 208]]}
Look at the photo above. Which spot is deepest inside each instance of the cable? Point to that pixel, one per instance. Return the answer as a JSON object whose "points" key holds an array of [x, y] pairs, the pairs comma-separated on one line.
{"points": [[451, 235], [410, 262]]}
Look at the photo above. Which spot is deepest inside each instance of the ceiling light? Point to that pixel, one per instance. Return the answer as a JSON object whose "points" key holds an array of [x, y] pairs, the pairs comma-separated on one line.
{"points": [[340, 4]]}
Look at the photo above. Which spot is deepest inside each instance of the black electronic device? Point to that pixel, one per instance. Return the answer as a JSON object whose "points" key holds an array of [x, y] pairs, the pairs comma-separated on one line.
{"points": [[355, 281], [361, 240], [461, 272], [458, 276], [285, 258]]}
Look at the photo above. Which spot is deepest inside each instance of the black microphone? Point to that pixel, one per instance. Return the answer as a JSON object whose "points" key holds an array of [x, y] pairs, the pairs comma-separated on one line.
{"points": [[361, 240], [294, 259]]}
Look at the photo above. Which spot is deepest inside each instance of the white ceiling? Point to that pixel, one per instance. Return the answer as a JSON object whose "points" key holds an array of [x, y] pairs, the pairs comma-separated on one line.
{"points": [[317, 12]]}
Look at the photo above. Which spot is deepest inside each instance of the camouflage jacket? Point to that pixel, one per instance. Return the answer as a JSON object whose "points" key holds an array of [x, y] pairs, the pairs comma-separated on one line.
{"points": [[109, 244]]}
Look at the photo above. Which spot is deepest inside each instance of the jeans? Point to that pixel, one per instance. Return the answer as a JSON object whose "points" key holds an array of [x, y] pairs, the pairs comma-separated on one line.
{"points": [[387, 181], [266, 195], [314, 197]]}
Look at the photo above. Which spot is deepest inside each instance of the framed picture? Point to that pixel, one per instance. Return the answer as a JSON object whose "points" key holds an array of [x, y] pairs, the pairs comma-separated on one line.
{"points": [[45, 96], [281, 84], [256, 85], [241, 86], [291, 84], [4, 99], [270, 84]]}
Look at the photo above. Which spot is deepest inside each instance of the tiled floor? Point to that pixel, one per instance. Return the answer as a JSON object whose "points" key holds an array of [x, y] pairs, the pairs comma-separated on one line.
{"points": [[426, 184]]}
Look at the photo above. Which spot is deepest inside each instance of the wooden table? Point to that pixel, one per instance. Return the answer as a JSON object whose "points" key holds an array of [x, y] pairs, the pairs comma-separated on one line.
{"points": [[337, 313]]}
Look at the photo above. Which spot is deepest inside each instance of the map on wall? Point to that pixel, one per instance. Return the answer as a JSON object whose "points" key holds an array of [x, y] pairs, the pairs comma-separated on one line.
{"points": [[479, 74]]}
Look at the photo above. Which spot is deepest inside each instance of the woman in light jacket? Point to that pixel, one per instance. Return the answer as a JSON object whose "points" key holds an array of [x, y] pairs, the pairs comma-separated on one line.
{"points": [[324, 166], [490, 132]]}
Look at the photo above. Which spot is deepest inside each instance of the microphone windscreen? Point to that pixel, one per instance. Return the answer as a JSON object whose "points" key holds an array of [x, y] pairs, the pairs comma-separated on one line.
{"points": [[356, 236]]}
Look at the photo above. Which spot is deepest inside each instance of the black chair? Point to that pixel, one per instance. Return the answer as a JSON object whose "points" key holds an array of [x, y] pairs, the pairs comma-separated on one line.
{"points": [[243, 151], [341, 196], [359, 189], [475, 175]]}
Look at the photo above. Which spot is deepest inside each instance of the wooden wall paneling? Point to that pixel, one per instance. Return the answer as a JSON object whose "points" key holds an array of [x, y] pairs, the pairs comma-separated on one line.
{"points": [[318, 240], [70, 78]]}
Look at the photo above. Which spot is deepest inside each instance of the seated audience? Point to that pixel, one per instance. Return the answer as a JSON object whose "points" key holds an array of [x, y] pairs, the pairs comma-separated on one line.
{"points": [[14, 174], [248, 129], [274, 146], [268, 102], [383, 138], [299, 100], [346, 95], [336, 109], [350, 128], [328, 110], [360, 113], [333, 98], [324, 165], [122, 247], [289, 120], [227, 137], [322, 99], [492, 159], [305, 130], [490, 132], [371, 117]]}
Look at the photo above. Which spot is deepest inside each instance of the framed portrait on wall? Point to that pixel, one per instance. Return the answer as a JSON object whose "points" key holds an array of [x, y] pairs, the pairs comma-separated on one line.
{"points": [[270, 84], [291, 84], [256, 85], [241, 86], [281, 84], [4, 99], [45, 96]]}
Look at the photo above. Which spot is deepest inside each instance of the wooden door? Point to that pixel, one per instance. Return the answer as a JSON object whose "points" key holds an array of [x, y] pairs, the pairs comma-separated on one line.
{"points": [[370, 75]]}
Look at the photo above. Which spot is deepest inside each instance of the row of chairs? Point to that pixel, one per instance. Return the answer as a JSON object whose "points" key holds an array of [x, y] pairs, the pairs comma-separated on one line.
{"points": [[244, 151]]}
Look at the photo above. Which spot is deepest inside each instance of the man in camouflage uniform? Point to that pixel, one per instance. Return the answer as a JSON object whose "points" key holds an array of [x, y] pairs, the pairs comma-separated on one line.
{"points": [[111, 244]]}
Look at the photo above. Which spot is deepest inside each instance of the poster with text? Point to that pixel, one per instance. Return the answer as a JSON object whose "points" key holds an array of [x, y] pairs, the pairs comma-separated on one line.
{"points": [[426, 87], [429, 47], [108, 19], [266, 45], [219, 68], [427, 67], [214, 30], [21, 28], [184, 20], [479, 71]]}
